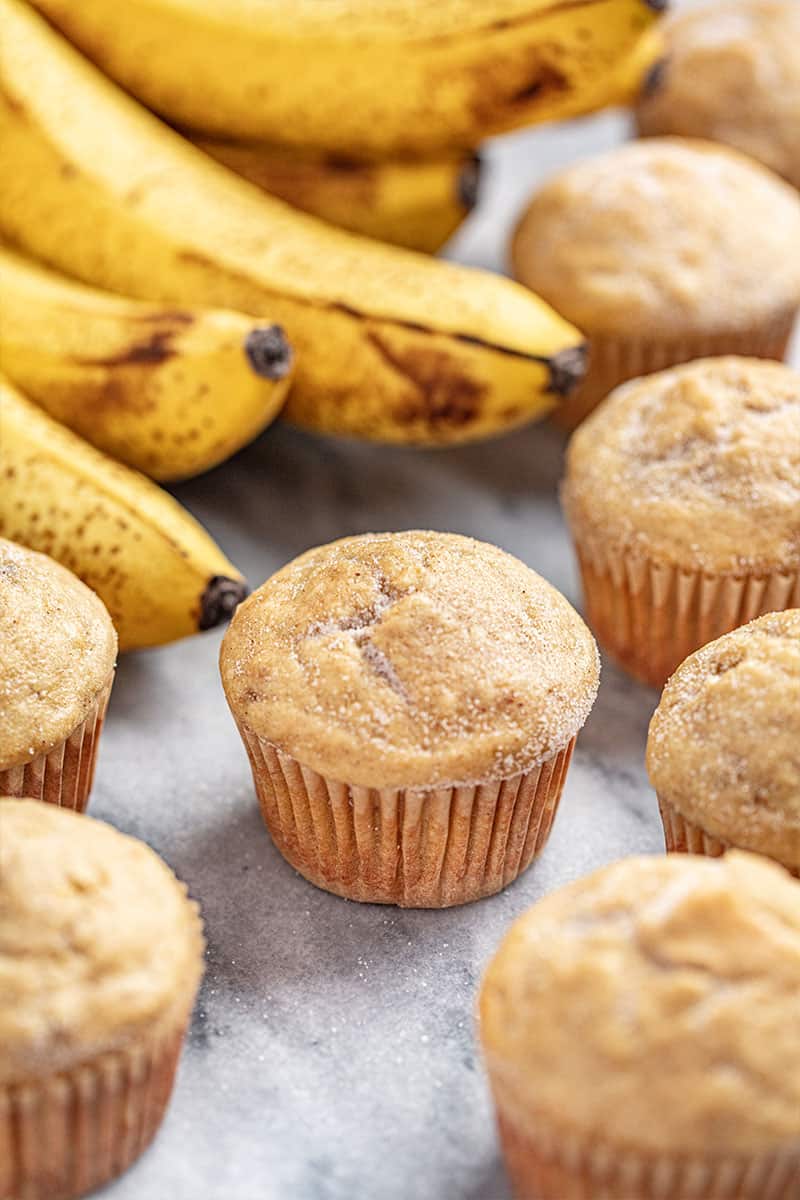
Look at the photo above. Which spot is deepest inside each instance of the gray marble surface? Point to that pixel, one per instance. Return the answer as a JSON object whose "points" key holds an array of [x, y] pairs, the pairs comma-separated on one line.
{"points": [[332, 1055]]}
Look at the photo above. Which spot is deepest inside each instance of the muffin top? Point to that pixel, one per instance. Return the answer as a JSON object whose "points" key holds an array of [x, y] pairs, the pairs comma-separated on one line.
{"points": [[665, 236], [410, 660], [98, 942], [57, 650], [731, 73], [723, 742], [698, 466], [670, 983]]}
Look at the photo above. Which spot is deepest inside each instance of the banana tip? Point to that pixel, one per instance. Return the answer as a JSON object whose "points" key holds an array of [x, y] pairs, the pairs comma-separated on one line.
{"points": [[468, 185], [567, 369], [219, 600], [654, 78], [268, 351], [658, 5]]}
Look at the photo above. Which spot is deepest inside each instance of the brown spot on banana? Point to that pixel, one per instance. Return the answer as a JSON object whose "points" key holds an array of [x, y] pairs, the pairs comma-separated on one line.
{"points": [[14, 105], [546, 79], [155, 348], [340, 162], [219, 600], [453, 399], [445, 398]]}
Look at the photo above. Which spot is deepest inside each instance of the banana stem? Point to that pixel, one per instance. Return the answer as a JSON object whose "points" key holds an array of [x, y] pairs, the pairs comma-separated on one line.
{"points": [[220, 600], [268, 351]]}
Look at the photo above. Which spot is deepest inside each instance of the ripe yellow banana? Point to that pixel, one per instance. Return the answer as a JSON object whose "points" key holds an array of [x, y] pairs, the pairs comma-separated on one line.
{"points": [[636, 66], [158, 571], [416, 203], [168, 391], [390, 344], [392, 77]]}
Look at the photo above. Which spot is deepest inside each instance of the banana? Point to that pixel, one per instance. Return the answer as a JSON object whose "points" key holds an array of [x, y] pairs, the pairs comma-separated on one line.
{"points": [[388, 78], [390, 344], [636, 66], [170, 392], [158, 571], [415, 203]]}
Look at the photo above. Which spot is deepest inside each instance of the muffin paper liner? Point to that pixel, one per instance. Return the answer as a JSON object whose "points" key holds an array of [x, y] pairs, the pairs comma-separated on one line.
{"points": [[64, 775], [545, 1163], [67, 1134], [682, 836], [411, 847], [613, 361], [650, 616]]}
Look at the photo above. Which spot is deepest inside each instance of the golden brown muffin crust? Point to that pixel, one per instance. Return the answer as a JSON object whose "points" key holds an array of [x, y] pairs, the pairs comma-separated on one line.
{"points": [[698, 466], [664, 237], [57, 651], [731, 73], [724, 742], [653, 1004], [98, 942], [410, 660]]}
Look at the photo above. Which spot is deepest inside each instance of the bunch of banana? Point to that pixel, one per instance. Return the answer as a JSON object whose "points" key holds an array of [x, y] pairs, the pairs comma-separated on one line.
{"points": [[390, 78], [170, 391], [390, 344], [416, 203], [158, 571]]}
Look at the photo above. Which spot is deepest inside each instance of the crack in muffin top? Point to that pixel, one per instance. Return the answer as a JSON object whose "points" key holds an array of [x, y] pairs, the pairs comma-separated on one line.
{"points": [[415, 659]]}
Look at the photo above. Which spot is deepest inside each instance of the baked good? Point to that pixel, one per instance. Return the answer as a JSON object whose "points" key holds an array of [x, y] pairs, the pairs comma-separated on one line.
{"points": [[100, 958], [663, 251], [638, 1029], [730, 72], [57, 654], [409, 703], [722, 750], [682, 493]]}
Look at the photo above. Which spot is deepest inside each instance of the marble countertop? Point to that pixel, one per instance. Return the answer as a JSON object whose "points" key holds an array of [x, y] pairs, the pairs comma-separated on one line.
{"points": [[332, 1054]]}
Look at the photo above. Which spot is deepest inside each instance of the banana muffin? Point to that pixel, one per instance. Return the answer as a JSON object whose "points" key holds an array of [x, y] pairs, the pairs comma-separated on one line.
{"points": [[100, 958], [409, 703], [682, 493], [722, 751], [730, 72], [57, 654], [663, 251], [640, 1034]]}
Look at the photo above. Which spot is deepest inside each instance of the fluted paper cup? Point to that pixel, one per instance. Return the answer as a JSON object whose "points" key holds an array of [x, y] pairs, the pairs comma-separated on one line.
{"points": [[682, 836], [411, 847], [64, 774], [65, 1135], [548, 1163], [650, 616]]}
